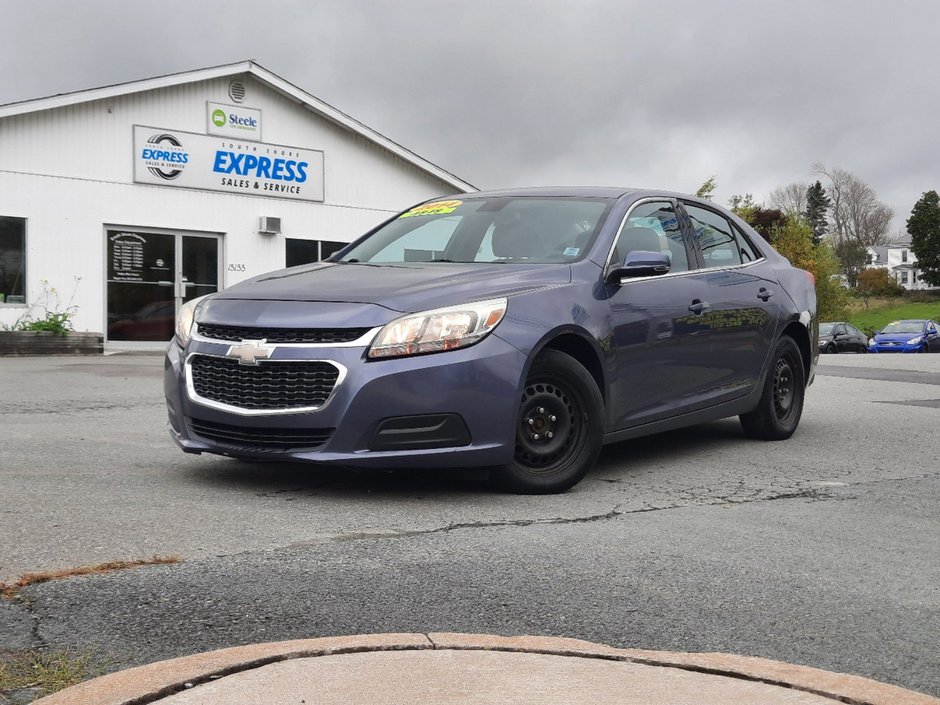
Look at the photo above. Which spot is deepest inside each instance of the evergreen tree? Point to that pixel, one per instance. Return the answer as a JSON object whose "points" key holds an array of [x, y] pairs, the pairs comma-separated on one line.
{"points": [[817, 204], [924, 228]]}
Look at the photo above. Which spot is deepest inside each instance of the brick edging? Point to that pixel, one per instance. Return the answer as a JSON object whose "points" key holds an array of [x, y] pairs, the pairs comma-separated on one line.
{"points": [[150, 683]]}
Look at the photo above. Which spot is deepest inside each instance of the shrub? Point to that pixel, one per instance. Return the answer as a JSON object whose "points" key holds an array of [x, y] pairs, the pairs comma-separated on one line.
{"points": [[877, 282]]}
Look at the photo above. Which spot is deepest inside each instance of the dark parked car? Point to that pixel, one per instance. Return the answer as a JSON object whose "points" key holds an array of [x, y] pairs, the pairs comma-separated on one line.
{"points": [[917, 336], [518, 330], [841, 337]]}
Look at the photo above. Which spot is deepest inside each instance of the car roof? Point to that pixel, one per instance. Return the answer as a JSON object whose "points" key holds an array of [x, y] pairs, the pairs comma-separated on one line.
{"points": [[571, 192]]}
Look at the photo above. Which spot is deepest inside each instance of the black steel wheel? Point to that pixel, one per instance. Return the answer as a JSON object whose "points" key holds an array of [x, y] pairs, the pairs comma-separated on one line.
{"points": [[781, 404], [559, 428], [832, 349]]}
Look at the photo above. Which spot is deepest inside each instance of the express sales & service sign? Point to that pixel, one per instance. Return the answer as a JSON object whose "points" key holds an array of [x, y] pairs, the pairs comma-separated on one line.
{"points": [[189, 160]]}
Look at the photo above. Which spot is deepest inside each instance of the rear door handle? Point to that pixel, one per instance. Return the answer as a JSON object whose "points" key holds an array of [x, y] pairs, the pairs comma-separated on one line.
{"points": [[698, 306], [764, 294]]}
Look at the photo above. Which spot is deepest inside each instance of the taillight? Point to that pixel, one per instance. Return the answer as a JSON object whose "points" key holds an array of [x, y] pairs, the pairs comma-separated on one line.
{"points": [[810, 276]]}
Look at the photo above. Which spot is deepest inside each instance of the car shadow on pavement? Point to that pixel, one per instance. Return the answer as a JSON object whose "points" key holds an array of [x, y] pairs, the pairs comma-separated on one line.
{"points": [[274, 477], [617, 459]]}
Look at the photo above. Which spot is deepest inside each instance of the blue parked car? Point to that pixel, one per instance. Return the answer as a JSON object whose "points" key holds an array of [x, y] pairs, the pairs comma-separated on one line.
{"points": [[916, 336], [518, 330]]}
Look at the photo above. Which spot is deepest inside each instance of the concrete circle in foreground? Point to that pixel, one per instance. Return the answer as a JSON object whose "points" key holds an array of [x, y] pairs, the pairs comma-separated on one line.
{"points": [[474, 669]]}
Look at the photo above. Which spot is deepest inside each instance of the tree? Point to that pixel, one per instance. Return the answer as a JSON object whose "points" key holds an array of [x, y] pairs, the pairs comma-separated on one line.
{"points": [[707, 189], [817, 205], [856, 213], [763, 220], [854, 258], [794, 240], [743, 206], [924, 228], [790, 199], [877, 281]]}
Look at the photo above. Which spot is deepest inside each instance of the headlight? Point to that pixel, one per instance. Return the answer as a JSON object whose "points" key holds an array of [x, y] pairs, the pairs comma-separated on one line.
{"points": [[871, 341], [441, 329], [915, 341], [185, 319]]}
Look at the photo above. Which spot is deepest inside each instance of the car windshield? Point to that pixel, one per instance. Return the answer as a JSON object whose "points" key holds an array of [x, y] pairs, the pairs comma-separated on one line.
{"points": [[904, 327], [512, 230], [826, 328]]}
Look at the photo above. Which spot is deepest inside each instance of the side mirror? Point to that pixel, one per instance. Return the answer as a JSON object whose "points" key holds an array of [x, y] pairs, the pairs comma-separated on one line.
{"points": [[639, 263]]}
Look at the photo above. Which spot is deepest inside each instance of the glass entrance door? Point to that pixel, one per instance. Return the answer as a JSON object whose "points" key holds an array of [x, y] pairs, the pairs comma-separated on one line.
{"points": [[150, 275]]}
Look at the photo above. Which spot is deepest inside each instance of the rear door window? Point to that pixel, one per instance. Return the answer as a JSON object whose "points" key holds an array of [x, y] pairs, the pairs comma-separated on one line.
{"points": [[721, 243]]}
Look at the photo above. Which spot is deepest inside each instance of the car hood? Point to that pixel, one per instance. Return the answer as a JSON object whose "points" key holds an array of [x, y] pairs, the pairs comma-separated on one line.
{"points": [[896, 337], [403, 288]]}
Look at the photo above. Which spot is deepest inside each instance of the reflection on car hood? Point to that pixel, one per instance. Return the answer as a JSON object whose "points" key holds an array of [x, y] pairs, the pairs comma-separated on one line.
{"points": [[400, 287], [896, 337]]}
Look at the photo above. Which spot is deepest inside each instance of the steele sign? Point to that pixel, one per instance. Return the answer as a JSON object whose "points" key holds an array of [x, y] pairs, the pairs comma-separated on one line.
{"points": [[233, 121]]}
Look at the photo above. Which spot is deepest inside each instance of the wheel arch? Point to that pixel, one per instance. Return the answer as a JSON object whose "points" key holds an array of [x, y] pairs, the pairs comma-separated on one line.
{"points": [[797, 331], [579, 347]]}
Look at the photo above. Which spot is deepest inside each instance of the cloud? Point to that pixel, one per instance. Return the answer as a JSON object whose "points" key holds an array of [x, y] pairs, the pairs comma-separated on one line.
{"points": [[504, 93]]}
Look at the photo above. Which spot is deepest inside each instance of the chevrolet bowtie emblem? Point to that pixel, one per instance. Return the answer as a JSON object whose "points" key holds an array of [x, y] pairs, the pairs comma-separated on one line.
{"points": [[248, 352]]}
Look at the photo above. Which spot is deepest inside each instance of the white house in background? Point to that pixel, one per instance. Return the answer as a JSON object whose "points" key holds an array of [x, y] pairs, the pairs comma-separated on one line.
{"points": [[900, 262]]}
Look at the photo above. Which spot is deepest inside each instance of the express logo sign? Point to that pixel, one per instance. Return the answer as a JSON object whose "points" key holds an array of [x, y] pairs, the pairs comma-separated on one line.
{"points": [[248, 167], [164, 156]]}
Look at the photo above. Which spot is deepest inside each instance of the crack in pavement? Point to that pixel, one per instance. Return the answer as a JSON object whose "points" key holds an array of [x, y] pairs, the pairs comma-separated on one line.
{"points": [[816, 494]]}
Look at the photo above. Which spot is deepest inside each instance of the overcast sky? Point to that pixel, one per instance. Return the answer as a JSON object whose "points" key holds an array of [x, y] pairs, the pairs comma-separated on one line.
{"points": [[651, 93]]}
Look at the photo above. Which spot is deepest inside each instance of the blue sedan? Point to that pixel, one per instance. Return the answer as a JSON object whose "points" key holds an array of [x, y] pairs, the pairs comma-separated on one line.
{"points": [[518, 330], [914, 336]]}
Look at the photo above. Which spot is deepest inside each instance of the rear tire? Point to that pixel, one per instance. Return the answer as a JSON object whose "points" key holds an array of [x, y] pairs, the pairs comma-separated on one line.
{"points": [[559, 428], [781, 404]]}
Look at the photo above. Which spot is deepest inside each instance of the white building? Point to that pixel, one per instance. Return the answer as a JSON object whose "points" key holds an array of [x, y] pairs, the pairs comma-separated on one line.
{"points": [[900, 262], [137, 197]]}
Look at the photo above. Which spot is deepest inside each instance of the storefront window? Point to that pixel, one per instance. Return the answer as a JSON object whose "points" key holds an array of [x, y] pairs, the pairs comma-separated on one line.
{"points": [[12, 260], [306, 251]]}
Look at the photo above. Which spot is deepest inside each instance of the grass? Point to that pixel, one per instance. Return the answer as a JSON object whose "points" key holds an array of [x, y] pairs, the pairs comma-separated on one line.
{"points": [[11, 590], [880, 312], [46, 671]]}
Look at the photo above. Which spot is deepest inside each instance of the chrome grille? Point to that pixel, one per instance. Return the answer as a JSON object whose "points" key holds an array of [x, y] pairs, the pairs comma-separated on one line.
{"points": [[274, 385], [262, 438], [281, 335]]}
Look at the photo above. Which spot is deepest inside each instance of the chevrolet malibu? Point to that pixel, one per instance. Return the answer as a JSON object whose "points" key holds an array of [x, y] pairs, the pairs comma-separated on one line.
{"points": [[517, 330]]}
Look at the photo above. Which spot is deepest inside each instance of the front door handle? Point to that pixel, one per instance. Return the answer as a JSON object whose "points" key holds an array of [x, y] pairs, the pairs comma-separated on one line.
{"points": [[698, 306], [764, 294]]}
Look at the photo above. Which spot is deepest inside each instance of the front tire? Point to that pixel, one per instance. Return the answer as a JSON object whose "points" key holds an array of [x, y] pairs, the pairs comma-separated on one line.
{"points": [[831, 349], [559, 428], [781, 404]]}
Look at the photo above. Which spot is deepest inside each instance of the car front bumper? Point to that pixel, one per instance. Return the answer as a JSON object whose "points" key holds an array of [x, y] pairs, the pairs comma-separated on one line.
{"points": [[465, 401], [895, 348]]}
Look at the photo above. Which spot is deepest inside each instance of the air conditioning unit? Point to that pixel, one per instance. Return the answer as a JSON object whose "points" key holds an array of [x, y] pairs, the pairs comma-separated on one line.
{"points": [[269, 225]]}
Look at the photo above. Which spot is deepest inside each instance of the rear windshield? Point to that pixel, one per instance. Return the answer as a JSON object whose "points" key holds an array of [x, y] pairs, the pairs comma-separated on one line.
{"points": [[511, 230]]}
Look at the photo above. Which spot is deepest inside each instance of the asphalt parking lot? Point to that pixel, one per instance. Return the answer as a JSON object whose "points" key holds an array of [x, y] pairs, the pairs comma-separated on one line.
{"points": [[822, 550]]}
